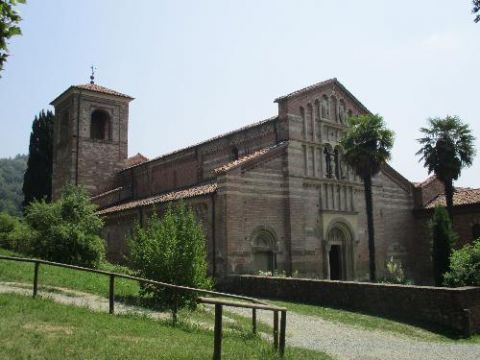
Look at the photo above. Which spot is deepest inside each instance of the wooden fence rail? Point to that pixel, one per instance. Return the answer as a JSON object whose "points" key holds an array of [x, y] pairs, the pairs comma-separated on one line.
{"points": [[278, 337]]}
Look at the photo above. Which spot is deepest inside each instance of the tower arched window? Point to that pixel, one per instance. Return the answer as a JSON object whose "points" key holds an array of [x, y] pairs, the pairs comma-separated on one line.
{"points": [[100, 125]]}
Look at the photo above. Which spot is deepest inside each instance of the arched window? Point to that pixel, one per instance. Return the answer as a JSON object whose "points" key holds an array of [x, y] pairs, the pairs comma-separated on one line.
{"points": [[235, 153], [324, 107], [328, 153], [341, 111], [337, 159], [100, 125], [476, 231], [309, 122], [333, 108], [264, 245], [317, 110], [304, 121]]}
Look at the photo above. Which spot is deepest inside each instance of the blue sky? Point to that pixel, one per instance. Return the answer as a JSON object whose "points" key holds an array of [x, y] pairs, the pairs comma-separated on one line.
{"points": [[201, 68]]}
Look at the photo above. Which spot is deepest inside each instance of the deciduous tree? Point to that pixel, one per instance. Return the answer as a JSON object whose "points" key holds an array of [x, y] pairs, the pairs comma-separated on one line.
{"points": [[9, 20]]}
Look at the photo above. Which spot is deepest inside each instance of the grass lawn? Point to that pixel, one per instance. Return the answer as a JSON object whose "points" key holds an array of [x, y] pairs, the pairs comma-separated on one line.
{"points": [[39, 328], [54, 276], [370, 322]]}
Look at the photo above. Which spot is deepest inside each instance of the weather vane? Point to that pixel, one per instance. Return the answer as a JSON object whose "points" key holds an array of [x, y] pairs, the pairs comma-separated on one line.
{"points": [[92, 76]]}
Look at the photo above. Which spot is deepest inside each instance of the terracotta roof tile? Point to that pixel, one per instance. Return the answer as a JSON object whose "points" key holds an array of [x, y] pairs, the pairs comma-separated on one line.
{"points": [[460, 197], [106, 193], [250, 157], [100, 89], [135, 160], [171, 196]]}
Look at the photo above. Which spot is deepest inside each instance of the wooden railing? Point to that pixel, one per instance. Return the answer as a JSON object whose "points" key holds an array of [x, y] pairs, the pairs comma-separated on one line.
{"points": [[278, 336]]}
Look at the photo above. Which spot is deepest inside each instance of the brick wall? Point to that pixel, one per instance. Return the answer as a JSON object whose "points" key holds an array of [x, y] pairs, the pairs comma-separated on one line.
{"points": [[439, 307]]}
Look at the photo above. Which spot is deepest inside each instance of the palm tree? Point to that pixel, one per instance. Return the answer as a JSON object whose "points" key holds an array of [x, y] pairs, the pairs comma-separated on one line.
{"points": [[367, 144], [447, 147]]}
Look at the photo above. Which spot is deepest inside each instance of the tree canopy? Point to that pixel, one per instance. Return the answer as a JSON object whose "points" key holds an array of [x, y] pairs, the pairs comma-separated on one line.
{"points": [[37, 183], [11, 179], [447, 147], [9, 20]]}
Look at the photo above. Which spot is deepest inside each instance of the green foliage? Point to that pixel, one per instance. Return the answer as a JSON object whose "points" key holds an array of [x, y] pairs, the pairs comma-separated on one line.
{"points": [[394, 272], [476, 10], [67, 230], [367, 144], [11, 178], [9, 20], [464, 266], [443, 240], [447, 147], [13, 233], [37, 182], [171, 250]]}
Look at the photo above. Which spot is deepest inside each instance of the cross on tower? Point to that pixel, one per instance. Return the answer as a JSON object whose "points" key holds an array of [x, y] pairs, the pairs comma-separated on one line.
{"points": [[92, 76]]}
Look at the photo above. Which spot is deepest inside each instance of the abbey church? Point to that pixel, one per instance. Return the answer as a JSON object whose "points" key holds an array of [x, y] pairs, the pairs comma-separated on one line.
{"points": [[272, 196]]}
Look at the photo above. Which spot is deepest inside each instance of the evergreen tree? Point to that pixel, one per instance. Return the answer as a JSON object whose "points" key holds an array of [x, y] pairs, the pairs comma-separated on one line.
{"points": [[443, 240], [37, 182]]}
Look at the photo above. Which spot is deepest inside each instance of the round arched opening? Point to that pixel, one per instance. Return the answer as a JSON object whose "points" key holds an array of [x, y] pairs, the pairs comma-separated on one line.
{"points": [[100, 125]]}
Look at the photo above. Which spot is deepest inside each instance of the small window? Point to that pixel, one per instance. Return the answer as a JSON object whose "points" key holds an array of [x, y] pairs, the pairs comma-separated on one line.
{"points": [[100, 125], [235, 153], [476, 231]]}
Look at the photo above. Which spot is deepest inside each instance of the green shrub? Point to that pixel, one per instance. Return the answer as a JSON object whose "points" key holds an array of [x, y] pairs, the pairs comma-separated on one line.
{"points": [[443, 240], [13, 233], [464, 266], [171, 250], [394, 273], [67, 230]]}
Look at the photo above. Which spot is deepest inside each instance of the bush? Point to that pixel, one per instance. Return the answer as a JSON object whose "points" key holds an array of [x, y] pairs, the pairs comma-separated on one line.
{"points": [[394, 273], [67, 230], [171, 250], [464, 266], [13, 233], [443, 240]]}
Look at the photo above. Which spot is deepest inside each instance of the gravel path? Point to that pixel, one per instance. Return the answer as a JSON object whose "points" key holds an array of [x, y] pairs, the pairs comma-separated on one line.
{"points": [[349, 342], [342, 341]]}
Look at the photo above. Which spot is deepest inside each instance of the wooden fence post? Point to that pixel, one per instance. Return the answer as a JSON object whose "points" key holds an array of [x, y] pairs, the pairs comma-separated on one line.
{"points": [[283, 328], [217, 347], [254, 321], [35, 279], [112, 294], [275, 329]]}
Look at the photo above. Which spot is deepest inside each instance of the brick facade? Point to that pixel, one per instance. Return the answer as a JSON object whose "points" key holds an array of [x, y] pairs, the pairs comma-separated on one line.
{"points": [[275, 195]]}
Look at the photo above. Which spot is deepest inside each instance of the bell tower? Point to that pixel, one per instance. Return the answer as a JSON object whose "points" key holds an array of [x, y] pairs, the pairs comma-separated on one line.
{"points": [[90, 137]]}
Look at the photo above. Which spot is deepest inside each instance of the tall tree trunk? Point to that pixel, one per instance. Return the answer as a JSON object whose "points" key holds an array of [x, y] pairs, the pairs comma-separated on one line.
{"points": [[367, 184], [449, 197]]}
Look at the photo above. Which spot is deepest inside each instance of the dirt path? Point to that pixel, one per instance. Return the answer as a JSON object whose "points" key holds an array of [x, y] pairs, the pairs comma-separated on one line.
{"points": [[349, 342]]}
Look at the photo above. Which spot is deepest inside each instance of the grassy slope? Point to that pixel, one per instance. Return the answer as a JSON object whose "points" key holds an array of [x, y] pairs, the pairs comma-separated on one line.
{"points": [[42, 329]]}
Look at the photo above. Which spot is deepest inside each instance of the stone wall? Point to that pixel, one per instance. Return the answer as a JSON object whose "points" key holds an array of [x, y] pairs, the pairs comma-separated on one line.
{"points": [[454, 309]]}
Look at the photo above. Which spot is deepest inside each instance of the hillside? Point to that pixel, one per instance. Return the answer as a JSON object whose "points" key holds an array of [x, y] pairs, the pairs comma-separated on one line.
{"points": [[11, 181]]}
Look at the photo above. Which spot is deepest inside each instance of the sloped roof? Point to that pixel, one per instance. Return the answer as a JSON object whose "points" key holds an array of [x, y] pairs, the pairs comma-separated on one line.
{"points": [[461, 196], [426, 182], [320, 84], [250, 157], [94, 88], [98, 196], [135, 160], [259, 123], [171, 196]]}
